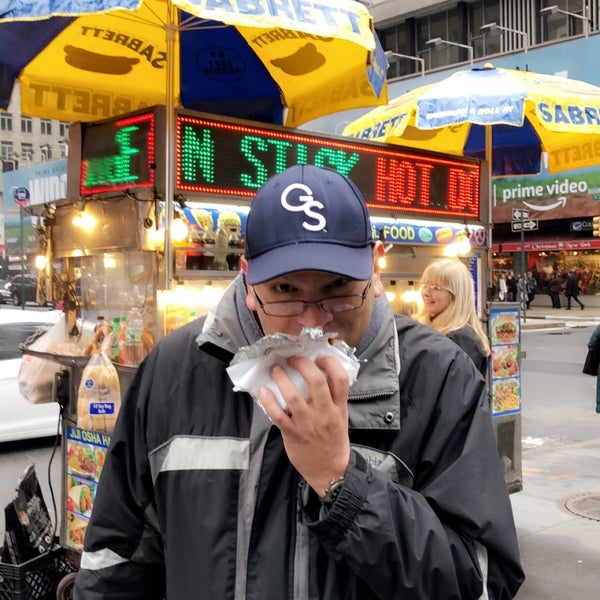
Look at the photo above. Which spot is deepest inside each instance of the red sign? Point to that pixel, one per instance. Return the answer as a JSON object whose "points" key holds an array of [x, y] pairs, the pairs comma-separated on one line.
{"points": [[235, 158], [227, 158], [547, 246]]}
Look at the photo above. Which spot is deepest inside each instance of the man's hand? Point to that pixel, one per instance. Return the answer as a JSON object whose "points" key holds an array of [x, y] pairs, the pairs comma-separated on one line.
{"points": [[315, 433]]}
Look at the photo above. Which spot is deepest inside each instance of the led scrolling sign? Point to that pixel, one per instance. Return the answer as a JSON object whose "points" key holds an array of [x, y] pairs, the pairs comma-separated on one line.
{"points": [[118, 154], [232, 159]]}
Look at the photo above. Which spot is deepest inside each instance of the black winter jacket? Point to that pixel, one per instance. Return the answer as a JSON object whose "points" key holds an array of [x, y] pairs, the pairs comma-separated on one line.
{"points": [[467, 339], [198, 500]]}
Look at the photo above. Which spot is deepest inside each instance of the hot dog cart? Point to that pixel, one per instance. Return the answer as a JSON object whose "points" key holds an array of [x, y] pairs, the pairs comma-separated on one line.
{"points": [[118, 243]]}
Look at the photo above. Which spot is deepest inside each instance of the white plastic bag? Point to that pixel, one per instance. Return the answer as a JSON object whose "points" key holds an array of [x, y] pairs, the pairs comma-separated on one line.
{"points": [[36, 374], [99, 396]]}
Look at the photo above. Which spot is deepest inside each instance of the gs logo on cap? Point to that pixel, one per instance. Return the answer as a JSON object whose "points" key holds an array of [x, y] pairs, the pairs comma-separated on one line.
{"points": [[307, 205]]}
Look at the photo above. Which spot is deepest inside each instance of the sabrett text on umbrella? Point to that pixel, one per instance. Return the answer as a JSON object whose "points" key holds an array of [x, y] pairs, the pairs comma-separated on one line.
{"points": [[380, 128], [329, 96], [83, 101], [570, 114], [301, 11], [157, 58], [586, 154]]}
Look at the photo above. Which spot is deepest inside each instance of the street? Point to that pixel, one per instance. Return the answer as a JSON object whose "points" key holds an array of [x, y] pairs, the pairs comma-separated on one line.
{"points": [[561, 444]]}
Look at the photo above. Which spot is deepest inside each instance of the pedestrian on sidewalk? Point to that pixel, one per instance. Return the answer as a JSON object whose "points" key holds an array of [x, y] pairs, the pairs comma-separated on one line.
{"points": [[572, 290], [554, 288], [502, 288], [594, 344], [513, 289], [531, 286], [449, 307]]}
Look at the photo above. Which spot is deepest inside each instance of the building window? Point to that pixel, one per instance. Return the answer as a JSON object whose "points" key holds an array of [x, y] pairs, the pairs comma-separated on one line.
{"points": [[5, 122], [26, 125], [449, 26], [8, 158], [63, 129], [27, 152], [485, 42], [569, 21], [399, 39], [46, 152], [46, 127], [6, 150]]}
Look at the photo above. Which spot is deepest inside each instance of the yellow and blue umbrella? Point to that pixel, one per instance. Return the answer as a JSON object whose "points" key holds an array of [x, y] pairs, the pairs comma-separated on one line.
{"points": [[507, 117], [284, 62]]}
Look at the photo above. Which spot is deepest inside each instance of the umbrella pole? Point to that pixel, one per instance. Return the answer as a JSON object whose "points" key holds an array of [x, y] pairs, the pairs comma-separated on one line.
{"points": [[488, 159], [171, 33]]}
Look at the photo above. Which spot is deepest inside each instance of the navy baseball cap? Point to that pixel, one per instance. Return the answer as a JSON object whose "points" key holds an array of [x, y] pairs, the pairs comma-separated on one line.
{"points": [[308, 219]]}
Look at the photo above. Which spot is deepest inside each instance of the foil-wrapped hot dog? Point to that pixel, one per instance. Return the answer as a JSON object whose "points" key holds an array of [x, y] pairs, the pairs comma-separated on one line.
{"points": [[251, 365]]}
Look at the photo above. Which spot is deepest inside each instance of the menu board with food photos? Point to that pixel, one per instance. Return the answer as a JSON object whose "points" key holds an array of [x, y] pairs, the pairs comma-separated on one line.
{"points": [[86, 452], [505, 369]]}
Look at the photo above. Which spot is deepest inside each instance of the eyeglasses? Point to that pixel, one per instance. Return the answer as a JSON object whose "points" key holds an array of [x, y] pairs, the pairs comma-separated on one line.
{"points": [[430, 289], [332, 305]]}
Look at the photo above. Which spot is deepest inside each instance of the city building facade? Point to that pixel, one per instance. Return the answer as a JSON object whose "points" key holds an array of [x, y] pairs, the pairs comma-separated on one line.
{"points": [[427, 40], [41, 147]]}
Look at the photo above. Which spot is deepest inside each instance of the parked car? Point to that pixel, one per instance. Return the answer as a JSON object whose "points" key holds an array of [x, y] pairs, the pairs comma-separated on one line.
{"points": [[5, 291], [24, 286], [20, 420]]}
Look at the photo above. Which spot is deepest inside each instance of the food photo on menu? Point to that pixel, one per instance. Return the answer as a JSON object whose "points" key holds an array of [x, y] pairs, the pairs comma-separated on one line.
{"points": [[505, 365], [504, 328], [506, 395], [86, 453], [505, 361]]}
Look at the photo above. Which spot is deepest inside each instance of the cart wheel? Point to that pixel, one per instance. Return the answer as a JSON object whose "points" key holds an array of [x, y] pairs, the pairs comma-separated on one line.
{"points": [[64, 590]]}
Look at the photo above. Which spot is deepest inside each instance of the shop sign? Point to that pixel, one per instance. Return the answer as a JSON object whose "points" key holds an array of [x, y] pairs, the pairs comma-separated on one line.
{"points": [[226, 158], [582, 225], [549, 246], [399, 232], [235, 158], [118, 155]]}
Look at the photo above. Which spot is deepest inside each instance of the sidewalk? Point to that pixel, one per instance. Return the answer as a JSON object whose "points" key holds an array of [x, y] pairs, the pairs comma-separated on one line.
{"points": [[560, 550], [560, 546], [541, 315]]}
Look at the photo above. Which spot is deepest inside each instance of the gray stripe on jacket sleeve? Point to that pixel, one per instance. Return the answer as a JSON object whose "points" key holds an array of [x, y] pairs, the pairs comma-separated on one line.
{"points": [[200, 453], [482, 557], [94, 561]]}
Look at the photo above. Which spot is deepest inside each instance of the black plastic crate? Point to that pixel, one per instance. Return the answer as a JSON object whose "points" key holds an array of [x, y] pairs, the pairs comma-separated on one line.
{"points": [[35, 579]]}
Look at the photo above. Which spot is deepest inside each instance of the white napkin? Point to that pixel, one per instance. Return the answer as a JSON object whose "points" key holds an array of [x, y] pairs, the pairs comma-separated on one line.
{"points": [[250, 367]]}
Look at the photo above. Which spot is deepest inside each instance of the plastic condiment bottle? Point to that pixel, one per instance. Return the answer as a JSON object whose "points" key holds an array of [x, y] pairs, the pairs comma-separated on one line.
{"points": [[134, 332], [115, 339]]}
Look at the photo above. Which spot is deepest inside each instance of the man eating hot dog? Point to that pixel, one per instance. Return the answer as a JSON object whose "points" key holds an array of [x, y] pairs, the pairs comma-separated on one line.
{"points": [[389, 489]]}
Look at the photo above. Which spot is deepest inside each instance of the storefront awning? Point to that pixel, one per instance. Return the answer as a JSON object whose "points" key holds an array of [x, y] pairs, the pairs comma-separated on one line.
{"points": [[548, 244]]}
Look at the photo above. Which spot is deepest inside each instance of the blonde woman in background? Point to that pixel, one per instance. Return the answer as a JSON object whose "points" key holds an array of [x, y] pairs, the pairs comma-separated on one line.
{"points": [[449, 307]]}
